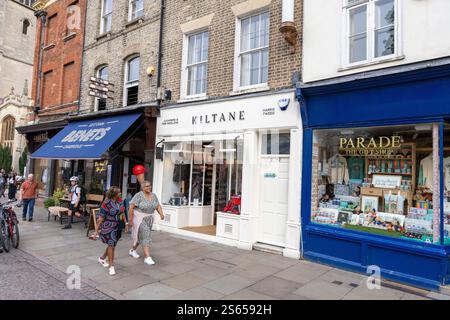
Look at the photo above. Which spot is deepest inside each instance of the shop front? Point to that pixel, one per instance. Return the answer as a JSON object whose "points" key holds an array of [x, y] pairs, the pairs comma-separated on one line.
{"points": [[229, 171], [376, 185], [48, 173], [96, 150]]}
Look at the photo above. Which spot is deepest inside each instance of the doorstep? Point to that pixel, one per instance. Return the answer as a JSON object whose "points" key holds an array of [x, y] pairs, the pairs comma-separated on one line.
{"points": [[264, 247]]}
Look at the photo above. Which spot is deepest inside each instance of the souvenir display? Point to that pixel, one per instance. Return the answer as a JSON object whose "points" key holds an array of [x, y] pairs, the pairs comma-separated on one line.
{"points": [[378, 181]]}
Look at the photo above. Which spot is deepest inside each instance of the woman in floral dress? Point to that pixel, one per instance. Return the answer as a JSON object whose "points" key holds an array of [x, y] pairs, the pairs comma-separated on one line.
{"points": [[142, 207], [110, 216]]}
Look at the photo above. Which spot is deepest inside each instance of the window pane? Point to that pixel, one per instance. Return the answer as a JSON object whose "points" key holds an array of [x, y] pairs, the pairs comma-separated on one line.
{"points": [[358, 20], [245, 35], [107, 7], [103, 73], [384, 42], [276, 143], [191, 50], [133, 70], [264, 66], [358, 48], [132, 95], [254, 32], [198, 48], [384, 13], [265, 29], [245, 69], [205, 47], [254, 70]]}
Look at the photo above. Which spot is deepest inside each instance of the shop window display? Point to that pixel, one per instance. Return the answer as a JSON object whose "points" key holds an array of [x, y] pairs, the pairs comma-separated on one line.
{"points": [[378, 180], [202, 173]]}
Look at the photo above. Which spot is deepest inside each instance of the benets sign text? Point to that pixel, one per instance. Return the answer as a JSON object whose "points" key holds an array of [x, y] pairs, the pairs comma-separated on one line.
{"points": [[380, 146]]}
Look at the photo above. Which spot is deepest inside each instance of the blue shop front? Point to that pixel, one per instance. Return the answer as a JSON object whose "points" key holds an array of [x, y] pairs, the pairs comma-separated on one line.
{"points": [[376, 173]]}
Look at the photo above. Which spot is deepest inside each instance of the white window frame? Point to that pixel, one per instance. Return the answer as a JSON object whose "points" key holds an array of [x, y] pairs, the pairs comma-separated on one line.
{"points": [[131, 15], [97, 74], [129, 84], [102, 17], [185, 71], [370, 30], [237, 54]]}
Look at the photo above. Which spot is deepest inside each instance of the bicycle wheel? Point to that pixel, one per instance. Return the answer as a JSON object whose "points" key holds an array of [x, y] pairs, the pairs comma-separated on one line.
{"points": [[15, 237], [4, 234]]}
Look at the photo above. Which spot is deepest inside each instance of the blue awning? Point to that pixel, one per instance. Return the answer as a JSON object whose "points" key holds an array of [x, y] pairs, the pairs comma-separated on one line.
{"points": [[86, 139]]}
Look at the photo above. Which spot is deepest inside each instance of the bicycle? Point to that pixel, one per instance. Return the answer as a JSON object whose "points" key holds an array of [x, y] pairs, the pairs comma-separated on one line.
{"points": [[9, 232]]}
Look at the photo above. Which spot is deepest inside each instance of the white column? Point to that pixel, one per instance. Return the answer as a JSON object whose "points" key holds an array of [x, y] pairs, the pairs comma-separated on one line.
{"points": [[293, 228], [250, 192], [288, 11]]}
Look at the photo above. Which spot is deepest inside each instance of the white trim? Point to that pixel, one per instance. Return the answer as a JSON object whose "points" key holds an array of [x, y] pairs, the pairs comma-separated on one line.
{"points": [[224, 136], [127, 84], [184, 96], [237, 88], [130, 11], [102, 17], [370, 35]]}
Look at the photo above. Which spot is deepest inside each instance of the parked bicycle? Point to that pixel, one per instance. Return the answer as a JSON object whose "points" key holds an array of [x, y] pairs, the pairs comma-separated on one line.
{"points": [[9, 226]]}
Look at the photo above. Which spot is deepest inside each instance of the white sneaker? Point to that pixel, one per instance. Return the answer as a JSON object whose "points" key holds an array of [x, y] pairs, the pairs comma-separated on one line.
{"points": [[103, 262], [112, 271], [133, 253], [149, 261]]}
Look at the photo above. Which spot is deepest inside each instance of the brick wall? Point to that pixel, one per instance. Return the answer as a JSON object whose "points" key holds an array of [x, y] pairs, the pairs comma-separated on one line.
{"points": [[221, 45], [61, 64], [125, 39]]}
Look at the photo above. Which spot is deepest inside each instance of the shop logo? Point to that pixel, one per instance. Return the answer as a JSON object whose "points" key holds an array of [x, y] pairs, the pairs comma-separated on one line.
{"points": [[218, 117], [380, 146], [283, 103]]}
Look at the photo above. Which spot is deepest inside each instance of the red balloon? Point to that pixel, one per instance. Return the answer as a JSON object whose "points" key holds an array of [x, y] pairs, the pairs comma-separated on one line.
{"points": [[138, 169]]}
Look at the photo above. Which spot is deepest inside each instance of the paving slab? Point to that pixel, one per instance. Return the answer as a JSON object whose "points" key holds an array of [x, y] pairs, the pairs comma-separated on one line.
{"points": [[130, 283], [229, 284], [209, 272], [183, 282], [323, 290], [302, 273], [277, 287], [154, 291], [178, 268], [255, 271], [247, 294], [198, 293]]}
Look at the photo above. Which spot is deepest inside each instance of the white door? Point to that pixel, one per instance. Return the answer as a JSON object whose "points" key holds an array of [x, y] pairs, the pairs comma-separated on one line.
{"points": [[274, 199]]}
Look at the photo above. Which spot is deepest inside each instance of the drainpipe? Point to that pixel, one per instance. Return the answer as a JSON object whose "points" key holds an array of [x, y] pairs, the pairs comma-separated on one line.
{"points": [[161, 25], [43, 15], [83, 17]]}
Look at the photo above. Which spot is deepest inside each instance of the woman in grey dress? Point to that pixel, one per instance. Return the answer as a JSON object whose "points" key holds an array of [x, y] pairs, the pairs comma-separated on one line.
{"points": [[142, 207]]}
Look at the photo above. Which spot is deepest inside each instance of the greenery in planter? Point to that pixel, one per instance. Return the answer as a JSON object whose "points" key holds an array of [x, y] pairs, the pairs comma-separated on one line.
{"points": [[49, 202], [58, 194]]}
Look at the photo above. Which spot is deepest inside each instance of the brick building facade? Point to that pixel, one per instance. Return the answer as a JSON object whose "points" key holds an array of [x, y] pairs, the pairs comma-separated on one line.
{"points": [[222, 33], [127, 37], [233, 120], [56, 77]]}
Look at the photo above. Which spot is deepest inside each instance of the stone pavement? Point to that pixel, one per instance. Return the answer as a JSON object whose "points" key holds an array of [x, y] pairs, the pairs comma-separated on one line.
{"points": [[24, 277], [187, 268]]}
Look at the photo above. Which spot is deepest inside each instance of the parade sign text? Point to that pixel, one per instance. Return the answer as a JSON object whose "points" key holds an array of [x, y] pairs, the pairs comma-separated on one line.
{"points": [[380, 146]]}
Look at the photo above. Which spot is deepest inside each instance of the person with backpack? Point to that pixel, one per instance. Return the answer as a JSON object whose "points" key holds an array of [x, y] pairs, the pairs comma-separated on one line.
{"points": [[76, 199]]}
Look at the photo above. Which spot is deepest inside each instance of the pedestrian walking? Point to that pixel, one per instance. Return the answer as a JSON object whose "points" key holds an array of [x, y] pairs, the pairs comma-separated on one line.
{"points": [[12, 186], [3, 183], [75, 197], [142, 207], [111, 222], [29, 192]]}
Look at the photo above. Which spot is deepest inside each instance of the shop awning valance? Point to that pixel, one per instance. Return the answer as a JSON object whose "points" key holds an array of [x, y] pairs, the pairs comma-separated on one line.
{"points": [[87, 139]]}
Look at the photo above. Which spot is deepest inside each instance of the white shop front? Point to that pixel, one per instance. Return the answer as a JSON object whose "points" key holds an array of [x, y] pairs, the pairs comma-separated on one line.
{"points": [[230, 171]]}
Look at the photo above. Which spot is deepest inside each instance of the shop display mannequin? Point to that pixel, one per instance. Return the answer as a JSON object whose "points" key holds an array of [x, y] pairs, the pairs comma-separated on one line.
{"points": [[426, 172]]}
